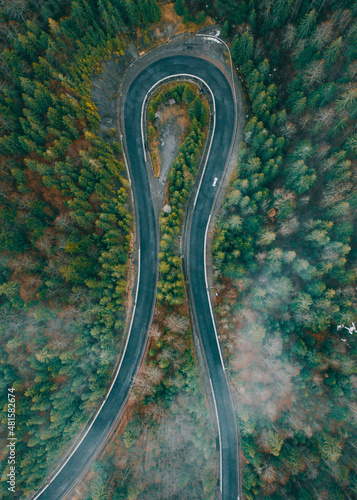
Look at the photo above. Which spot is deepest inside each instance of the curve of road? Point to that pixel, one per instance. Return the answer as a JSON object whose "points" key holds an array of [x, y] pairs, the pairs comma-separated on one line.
{"points": [[195, 259]]}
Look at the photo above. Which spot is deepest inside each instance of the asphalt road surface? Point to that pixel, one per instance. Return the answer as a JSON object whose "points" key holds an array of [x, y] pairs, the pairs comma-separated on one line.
{"points": [[148, 262]]}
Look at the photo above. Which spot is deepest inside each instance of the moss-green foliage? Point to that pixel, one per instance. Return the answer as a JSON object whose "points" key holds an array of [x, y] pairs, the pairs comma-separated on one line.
{"points": [[180, 181], [64, 224], [286, 243]]}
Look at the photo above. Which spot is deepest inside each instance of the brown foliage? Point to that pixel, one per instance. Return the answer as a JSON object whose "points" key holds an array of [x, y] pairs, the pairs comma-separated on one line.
{"points": [[75, 147], [29, 287]]}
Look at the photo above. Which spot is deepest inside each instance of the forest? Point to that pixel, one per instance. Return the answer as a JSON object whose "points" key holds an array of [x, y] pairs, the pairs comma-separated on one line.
{"points": [[66, 223], [284, 252]]}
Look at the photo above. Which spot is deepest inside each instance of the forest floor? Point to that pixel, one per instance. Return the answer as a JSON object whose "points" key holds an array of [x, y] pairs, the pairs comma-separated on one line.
{"points": [[169, 144], [172, 25], [164, 148], [170, 134]]}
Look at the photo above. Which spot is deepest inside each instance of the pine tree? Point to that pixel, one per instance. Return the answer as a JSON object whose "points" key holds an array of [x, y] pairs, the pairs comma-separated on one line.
{"points": [[180, 7], [189, 94], [307, 23], [242, 48]]}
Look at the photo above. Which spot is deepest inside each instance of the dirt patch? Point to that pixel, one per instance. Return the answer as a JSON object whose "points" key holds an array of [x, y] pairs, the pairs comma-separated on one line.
{"points": [[170, 136], [171, 24], [168, 15], [164, 146]]}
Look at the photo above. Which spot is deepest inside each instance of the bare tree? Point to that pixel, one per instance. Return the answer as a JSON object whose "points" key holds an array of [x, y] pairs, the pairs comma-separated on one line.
{"points": [[148, 377], [352, 70], [155, 332], [323, 150], [44, 244], [342, 19], [64, 222], [176, 323], [323, 34], [324, 117], [289, 36], [269, 474], [305, 121], [299, 47], [289, 226], [315, 73]]}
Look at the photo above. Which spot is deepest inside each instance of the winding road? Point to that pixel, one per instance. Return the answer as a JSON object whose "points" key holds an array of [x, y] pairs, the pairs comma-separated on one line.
{"points": [[195, 265]]}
